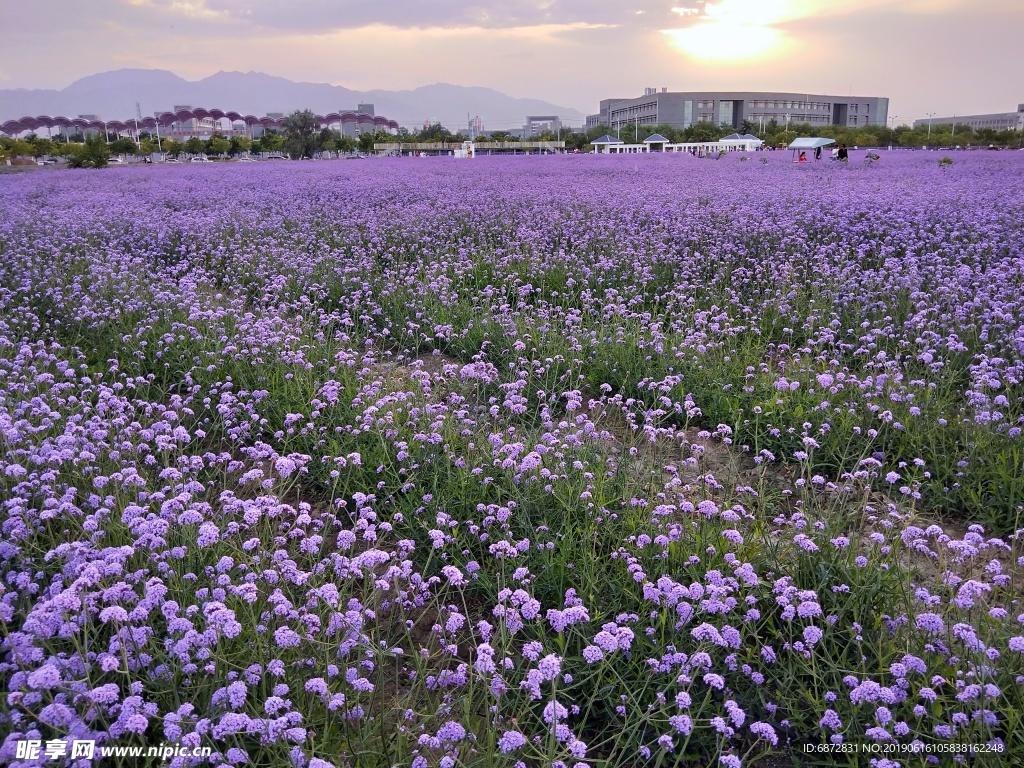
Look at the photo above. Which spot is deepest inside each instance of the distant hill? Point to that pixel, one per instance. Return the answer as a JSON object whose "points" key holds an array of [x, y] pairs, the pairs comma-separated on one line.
{"points": [[113, 95]]}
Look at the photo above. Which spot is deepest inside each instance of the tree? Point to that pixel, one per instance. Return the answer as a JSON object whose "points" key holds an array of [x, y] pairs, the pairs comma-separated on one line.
{"points": [[271, 142], [123, 146], [94, 153], [239, 144], [218, 145], [300, 134], [67, 149], [367, 140], [704, 131], [327, 140], [194, 146], [172, 147], [436, 132], [39, 146], [15, 147]]}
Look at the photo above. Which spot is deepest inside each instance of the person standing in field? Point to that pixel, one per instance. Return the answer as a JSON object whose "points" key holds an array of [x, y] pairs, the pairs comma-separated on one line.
{"points": [[843, 154], [817, 154]]}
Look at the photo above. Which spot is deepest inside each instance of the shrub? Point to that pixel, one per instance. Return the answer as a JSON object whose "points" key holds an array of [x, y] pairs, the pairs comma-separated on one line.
{"points": [[94, 153]]}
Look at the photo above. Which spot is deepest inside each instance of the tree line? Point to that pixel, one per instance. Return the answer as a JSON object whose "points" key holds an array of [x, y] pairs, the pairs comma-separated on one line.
{"points": [[772, 133], [779, 135], [301, 136]]}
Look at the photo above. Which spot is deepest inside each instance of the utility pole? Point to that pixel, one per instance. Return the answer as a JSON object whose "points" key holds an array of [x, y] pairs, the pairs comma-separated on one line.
{"points": [[930, 116], [138, 117]]}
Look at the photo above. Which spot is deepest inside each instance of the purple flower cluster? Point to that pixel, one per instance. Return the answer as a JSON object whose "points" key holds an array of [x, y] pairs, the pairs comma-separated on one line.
{"points": [[317, 449]]}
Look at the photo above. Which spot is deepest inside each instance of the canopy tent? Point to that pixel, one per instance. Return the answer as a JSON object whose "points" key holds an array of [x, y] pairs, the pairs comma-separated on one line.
{"points": [[809, 142], [747, 141]]}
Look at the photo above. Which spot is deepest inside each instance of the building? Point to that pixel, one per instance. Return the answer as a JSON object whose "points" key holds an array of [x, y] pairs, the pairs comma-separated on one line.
{"points": [[362, 122], [186, 128], [656, 143], [997, 121], [684, 109], [188, 124], [199, 119], [95, 119], [450, 149], [273, 123], [538, 124]]}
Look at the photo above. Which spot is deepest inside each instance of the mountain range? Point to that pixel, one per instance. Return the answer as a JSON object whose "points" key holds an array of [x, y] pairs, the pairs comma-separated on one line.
{"points": [[113, 95]]}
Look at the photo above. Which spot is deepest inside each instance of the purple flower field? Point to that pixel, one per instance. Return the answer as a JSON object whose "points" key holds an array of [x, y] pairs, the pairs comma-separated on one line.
{"points": [[580, 462]]}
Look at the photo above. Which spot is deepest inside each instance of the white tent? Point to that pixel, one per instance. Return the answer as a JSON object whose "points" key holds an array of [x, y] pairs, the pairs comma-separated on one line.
{"points": [[809, 142]]}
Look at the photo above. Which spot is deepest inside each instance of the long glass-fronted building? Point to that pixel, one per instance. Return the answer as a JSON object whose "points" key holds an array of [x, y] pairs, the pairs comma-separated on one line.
{"points": [[683, 109]]}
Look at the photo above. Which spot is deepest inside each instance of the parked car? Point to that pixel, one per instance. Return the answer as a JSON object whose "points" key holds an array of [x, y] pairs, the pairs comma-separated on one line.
{"points": [[200, 160]]}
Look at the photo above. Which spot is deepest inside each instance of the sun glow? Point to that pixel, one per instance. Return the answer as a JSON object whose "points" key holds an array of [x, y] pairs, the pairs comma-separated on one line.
{"points": [[725, 40], [735, 29]]}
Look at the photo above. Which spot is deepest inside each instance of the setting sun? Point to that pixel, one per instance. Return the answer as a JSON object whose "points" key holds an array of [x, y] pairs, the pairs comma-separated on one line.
{"points": [[734, 29], [725, 40]]}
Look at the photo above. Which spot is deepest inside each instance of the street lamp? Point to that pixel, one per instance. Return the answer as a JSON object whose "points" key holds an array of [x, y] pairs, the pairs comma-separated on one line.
{"points": [[892, 131], [930, 116], [611, 119]]}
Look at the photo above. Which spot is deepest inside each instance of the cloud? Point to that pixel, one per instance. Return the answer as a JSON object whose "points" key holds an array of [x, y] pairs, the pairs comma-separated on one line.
{"points": [[927, 55], [189, 9], [323, 15]]}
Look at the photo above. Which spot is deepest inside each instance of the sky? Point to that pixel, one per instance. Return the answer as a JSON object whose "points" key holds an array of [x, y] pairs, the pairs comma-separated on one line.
{"points": [[942, 56]]}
